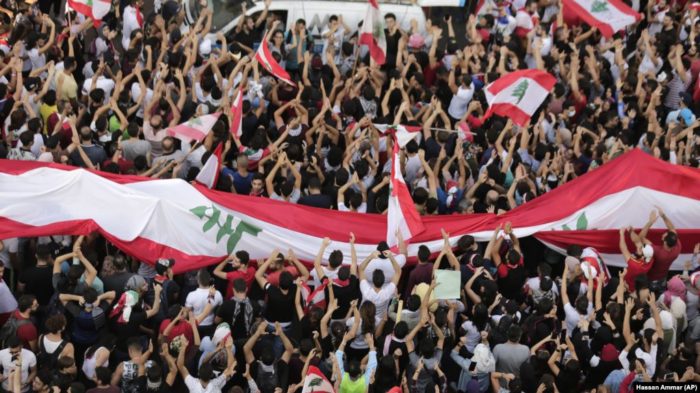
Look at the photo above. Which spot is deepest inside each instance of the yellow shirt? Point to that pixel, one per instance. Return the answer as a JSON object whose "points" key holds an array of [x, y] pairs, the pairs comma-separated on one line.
{"points": [[70, 86], [45, 111]]}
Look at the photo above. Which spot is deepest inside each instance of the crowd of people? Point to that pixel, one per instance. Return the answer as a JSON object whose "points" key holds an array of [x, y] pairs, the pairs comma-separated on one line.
{"points": [[77, 314]]}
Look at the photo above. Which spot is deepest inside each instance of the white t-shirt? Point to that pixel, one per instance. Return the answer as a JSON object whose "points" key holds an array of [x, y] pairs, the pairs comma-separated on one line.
{"points": [[136, 92], [11, 245], [380, 299], [573, 317], [330, 274], [28, 361], [460, 102], [214, 386], [293, 197], [8, 303], [198, 300], [385, 265], [36, 147], [361, 209], [131, 23], [37, 59], [413, 167], [106, 84]]}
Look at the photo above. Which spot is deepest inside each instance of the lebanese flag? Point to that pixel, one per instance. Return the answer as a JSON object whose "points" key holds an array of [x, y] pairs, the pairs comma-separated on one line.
{"points": [[465, 132], [402, 215], [264, 57], [403, 133], [208, 176], [372, 33], [314, 297], [95, 9], [237, 115], [518, 94], [591, 265], [316, 382], [150, 218], [524, 22], [608, 16], [196, 128]]}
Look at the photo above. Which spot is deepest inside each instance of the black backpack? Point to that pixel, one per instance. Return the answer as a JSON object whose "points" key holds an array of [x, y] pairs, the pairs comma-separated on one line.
{"points": [[45, 360], [9, 329]]}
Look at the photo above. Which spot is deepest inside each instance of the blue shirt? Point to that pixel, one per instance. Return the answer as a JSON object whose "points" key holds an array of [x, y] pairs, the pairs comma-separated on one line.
{"points": [[614, 379], [242, 184]]}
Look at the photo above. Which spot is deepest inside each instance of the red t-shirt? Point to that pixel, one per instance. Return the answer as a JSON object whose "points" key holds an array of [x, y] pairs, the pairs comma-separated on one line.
{"points": [[636, 268], [26, 332], [274, 277], [182, 327], [663, 259], [504, 268], [248, 276]]}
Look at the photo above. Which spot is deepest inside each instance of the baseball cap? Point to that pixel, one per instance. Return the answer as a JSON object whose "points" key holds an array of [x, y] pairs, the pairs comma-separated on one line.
{"points": [[687, 116], [205, 48], [170, 9], [416, 41]]}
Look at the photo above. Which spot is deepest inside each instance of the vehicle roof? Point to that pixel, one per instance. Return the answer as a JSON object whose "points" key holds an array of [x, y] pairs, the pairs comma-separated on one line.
{"points": [[384, 2]]}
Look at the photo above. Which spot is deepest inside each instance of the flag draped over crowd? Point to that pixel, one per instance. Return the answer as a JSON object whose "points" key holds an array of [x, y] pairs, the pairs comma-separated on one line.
{"points": [[150, 218]]}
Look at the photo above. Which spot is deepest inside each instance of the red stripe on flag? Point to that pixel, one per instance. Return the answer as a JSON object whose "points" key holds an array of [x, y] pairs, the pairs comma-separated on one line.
{"points": [[511, 111], [544, 79], [264, 57], [81, 8], [237, 114], [587, 17], [186, 132], [374, 50]]}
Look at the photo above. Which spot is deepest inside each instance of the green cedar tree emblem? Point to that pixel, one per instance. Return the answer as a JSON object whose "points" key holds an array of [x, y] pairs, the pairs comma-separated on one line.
{"points": [[599, 6], [213, 216], [581, 223], [519, 91]]}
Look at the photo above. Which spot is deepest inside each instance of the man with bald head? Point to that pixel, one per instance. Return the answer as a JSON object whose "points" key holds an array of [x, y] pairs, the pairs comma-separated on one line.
{"points": [[242, 178]]}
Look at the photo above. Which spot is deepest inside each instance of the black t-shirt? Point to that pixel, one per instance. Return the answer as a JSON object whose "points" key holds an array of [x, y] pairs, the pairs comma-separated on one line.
{"points": [[142, 382], [37, 281], [280, 307], [318, 200], [238, 328], [116, 282], [124, 331], [511, 286], [345, 294]]}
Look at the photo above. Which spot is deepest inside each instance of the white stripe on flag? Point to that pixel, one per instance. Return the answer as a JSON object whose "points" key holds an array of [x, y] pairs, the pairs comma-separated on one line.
{"points": [[606, 12], [534, 95]]}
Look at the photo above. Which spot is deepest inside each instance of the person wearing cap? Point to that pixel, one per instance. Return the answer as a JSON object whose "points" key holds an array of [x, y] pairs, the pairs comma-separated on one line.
{"points": [[164, 278], [641, 261]]}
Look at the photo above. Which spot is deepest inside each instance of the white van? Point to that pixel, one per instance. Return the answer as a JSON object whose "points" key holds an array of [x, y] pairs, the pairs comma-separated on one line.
{"points": [[316, 13]]}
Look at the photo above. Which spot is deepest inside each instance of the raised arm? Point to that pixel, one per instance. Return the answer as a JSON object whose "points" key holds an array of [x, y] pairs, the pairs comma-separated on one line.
{"points": [[260, 273], [319, 257], [667, 221]]}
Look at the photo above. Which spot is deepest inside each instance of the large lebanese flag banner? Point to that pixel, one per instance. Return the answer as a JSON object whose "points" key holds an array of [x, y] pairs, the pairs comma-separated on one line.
{"points": [[518, 94], [170, 218], [372, 33], [608, 16]]}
